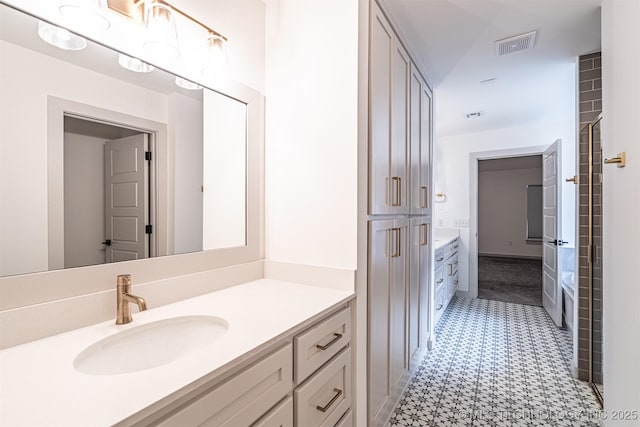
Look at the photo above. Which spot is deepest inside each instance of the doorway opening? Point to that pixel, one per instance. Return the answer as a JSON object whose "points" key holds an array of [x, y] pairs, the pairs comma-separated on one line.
{"points": [[510, 229], [107, 192]]}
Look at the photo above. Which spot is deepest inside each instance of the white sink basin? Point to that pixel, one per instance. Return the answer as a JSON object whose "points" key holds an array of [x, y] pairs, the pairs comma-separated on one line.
{"points": [[151, 345]]}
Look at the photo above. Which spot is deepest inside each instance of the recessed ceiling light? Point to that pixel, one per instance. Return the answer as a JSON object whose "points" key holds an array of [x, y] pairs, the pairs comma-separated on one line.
{"points": [[187, 84]]}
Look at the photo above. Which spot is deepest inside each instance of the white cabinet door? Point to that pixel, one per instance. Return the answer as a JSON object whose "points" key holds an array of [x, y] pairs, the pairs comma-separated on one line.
{"points": [[401, 70], [380, 237], [420, 137], [418, 298], [380, 113], [388, 278], [398, 304], [389, 118]]}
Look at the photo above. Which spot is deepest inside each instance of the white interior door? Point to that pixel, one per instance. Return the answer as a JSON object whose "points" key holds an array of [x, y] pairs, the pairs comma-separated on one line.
{"points": [[126, 194], [551, 232]]}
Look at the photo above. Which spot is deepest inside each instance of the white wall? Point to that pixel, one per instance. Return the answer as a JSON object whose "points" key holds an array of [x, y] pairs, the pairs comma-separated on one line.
{"points": [[186, 115], [621, 207], [23, 142], [311, 132], [502, 212], [84, 210], [224, 176]]}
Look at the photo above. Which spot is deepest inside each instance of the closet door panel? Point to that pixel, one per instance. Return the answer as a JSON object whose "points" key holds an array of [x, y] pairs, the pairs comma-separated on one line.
{"points": [[382, 47]]}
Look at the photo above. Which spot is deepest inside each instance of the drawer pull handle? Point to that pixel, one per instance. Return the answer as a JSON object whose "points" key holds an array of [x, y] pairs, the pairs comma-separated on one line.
{"points": [[440, 280], [439, 307], [335, 397], [455, 262], [335, 339], [455, 282], [455, 247], [440, 259]]}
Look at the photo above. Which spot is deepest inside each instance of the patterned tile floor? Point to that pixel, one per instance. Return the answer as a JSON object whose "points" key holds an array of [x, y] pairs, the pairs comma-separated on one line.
{"points": [[497, 364]]}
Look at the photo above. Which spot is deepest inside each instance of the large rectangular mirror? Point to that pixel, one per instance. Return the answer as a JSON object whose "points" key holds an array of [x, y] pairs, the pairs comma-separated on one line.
{"points": [[101, 164]]}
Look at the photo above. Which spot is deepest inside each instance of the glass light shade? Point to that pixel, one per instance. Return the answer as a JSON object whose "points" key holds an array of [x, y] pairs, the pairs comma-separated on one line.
{"points": [[85, 13], [215, 66], [186, 84], [162, 36], [60, 37], [134, 64]]}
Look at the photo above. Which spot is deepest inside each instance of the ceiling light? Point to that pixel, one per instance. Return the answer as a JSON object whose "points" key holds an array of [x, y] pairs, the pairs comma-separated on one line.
{"points": [[162, 36], [186, 84], [60, 37], [473, 115], [87, 13], [215, 66], [134, 64]]}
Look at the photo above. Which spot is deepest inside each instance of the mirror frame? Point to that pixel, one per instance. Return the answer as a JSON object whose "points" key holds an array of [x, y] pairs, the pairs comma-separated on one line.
{"points": [[40, 287]]}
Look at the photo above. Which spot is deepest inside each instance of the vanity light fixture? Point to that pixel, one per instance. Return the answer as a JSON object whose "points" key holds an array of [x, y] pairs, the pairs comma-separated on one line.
{"points": [[134, 64], [186, 84], [60, 37], [87, 13], [159, 17]]}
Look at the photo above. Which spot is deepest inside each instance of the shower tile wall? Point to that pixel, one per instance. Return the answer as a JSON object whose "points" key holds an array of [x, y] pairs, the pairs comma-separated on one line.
{"points": [[590, 102]]}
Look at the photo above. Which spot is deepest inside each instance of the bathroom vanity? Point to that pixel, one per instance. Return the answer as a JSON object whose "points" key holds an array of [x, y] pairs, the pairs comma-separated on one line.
{"points": [[277, 349], [446, 278]]}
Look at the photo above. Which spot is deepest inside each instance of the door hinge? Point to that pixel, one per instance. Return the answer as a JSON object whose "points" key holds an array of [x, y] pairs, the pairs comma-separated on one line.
{"points": [[148, 229], [147, 155]]}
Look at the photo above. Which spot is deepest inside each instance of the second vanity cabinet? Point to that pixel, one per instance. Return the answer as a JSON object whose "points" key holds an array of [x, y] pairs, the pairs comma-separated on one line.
{"points": [[304, 380], [446, 261]]}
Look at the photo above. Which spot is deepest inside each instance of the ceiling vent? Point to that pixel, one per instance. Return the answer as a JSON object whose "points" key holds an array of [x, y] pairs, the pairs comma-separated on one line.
{"points": [[515, 43]]}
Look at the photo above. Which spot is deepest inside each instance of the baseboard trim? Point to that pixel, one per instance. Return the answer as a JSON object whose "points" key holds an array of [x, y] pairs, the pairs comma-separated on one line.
{"points": [[509, 256]]}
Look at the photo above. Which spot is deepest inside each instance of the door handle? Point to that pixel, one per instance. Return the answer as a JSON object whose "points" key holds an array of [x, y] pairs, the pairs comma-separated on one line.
{"points": [[107, 242], [335, 397], [424, 196], [557, 242]]}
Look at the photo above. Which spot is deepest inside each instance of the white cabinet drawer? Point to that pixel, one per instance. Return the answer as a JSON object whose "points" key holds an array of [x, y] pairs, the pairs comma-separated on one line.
{"points": [[346, 420], [316, 346], [280, 416], [439, 257], [326, 396], [244, 398]]}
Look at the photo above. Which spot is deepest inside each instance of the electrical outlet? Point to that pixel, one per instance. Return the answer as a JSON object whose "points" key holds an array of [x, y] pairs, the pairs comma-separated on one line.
{"points": [[462, 222]]}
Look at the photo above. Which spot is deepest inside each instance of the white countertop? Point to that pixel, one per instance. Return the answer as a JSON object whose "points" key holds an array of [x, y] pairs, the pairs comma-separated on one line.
{"points": [[39, 385], [444, 236]]}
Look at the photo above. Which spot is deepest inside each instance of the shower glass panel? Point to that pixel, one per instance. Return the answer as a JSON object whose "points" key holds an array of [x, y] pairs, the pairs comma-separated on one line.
{"points": [[595, 242]]}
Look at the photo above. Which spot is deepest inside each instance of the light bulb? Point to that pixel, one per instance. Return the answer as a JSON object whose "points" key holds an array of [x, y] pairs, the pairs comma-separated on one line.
{"points": [[186, 84], [60, 37], [134, 64]]}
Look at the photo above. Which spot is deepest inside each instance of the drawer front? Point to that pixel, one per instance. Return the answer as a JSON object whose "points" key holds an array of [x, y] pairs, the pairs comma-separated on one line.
{"points": [[244, 398], [280, 416], [316, 346], [346, 420], [441, 294], [326, 396], [439, 279], [439, 257]]}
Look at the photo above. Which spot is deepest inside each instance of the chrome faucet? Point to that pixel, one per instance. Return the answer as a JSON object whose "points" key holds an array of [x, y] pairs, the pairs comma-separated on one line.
{"points": [[124, 298]]}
